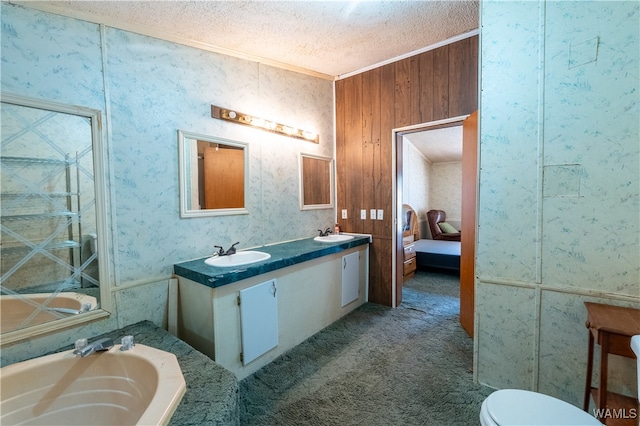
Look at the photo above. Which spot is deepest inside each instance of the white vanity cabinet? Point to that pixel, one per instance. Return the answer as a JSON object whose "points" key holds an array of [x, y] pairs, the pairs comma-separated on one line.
{"points": [[258, 320], [350, 277], [309, 297]]}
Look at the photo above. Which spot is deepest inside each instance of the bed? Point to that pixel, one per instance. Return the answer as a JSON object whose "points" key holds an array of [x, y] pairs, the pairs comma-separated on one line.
{"points": [[439, 254]]}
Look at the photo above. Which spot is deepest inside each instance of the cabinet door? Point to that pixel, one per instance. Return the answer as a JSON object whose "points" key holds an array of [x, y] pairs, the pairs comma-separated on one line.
{"points": [[350, 278], [258, 320]]}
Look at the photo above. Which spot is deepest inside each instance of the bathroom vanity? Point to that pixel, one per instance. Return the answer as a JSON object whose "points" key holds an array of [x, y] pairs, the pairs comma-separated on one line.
{"points": [[243, 317]]}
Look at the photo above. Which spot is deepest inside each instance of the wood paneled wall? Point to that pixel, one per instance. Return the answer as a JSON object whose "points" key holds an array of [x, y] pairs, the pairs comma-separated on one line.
{"points": [[433, 85]]}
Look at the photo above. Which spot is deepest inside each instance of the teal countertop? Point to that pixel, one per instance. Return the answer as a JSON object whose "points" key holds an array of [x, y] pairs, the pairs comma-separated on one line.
{"points": [[282, 255]]}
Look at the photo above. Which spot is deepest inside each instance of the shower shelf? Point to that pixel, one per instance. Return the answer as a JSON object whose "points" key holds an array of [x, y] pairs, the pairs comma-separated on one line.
{"points": [[39, 216], [52, 246], [38, 194], [33, 160]]}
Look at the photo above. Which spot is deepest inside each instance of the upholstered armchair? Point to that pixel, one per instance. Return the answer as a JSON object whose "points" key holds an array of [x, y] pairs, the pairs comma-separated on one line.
{"points": [[435, 218]]}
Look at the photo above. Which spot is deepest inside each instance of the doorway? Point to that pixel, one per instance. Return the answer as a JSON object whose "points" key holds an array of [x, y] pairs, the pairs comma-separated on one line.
{"points": [[467, 209]]}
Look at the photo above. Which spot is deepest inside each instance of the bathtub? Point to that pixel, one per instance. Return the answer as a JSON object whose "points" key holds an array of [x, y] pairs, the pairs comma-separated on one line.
{"points": [[18, 311], [140, 386]]}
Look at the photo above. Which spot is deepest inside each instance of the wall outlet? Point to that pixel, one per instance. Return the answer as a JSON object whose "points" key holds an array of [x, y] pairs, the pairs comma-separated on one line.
{"points": [[363, 214], [373, 214], [344, 213], [380, 214]]}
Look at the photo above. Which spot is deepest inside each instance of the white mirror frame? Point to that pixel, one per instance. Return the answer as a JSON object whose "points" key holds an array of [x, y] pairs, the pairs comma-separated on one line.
{"points": [[304, 206], [185, 211], [95, 117]]}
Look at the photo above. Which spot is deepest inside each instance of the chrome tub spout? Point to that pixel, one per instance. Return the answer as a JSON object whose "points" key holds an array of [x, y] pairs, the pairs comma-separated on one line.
{"points": [[99, 345]]}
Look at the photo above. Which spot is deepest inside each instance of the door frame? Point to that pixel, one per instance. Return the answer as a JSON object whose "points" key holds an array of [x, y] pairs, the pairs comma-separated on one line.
{"points": [[396, 137]]}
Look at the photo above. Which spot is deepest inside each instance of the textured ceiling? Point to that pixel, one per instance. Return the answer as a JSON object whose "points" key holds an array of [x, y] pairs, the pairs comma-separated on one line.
{"points": [[332, 38], [439, 145]]}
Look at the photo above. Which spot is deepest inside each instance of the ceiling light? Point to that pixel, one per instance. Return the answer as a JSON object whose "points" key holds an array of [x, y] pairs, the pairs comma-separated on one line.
{"points": [[260, 123]]}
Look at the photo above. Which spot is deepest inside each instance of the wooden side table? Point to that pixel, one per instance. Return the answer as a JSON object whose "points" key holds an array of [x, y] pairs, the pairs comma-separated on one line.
{"points": [[611, 327]]}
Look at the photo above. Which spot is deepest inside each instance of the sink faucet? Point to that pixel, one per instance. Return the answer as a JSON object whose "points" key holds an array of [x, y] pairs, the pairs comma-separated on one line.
{"points": [[230, 251], [325, 233], [99, 345]]}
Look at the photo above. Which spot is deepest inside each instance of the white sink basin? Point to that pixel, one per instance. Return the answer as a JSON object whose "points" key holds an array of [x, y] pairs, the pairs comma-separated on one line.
{"points": [[238, 259], [334, 238]]}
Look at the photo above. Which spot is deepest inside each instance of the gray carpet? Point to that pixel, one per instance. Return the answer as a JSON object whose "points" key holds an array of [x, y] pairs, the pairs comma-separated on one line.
{"points": [[376, 366]]}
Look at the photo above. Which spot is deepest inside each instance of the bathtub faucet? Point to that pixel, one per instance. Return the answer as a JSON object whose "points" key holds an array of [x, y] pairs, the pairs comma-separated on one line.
{"points": [[99, 345], [232, 250]]}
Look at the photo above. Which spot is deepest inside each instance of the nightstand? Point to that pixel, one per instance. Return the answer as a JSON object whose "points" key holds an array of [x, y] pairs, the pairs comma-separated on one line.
{"points": [[409, 259], [611, 327]]}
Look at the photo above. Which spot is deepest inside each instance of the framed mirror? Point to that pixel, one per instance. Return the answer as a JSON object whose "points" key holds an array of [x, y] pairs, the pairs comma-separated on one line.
{"points": [[316, 182], [54, 270], [214, 175]]}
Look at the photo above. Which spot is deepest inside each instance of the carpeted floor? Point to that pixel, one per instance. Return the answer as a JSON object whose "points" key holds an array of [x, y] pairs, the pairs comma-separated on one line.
{"points": [[376, 366]]}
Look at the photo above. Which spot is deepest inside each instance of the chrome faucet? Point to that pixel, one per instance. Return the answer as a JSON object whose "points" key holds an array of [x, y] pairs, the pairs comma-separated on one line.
{"points": [[325, 233], [99, 345], [232, 250]]}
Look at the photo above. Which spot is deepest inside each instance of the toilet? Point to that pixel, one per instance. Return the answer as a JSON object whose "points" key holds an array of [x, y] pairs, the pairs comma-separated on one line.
{"points": [[522, 407]]}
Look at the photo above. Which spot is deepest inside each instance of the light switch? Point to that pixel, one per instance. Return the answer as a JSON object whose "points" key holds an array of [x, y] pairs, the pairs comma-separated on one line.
{"points": [[373, 214], [344, 213], [380, 214], [363, 214]]}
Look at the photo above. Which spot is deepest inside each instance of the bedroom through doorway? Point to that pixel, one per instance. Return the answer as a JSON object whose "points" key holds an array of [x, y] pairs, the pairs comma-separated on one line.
{"points": [[434, 178]]}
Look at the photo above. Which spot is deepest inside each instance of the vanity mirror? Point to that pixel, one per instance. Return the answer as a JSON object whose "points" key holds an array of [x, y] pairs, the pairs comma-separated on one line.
{"points": [[214, 174], [54, 254], [316, 182]]}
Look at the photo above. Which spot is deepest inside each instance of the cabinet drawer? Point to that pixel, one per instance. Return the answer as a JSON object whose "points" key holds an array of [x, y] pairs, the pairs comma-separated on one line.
{"points": [[409, 252], [409, 266]]}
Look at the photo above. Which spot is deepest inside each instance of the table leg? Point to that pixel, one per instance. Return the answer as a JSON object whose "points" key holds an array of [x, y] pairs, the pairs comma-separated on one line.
{"points": [[587, 387], [604, 361]]}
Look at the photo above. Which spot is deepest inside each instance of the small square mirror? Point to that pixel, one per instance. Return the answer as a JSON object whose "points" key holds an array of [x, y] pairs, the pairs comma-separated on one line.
{"points": [[316, 182]]}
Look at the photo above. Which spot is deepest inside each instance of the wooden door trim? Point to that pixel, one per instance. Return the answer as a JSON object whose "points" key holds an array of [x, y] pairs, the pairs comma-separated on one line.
{"points": [[396, 137]]}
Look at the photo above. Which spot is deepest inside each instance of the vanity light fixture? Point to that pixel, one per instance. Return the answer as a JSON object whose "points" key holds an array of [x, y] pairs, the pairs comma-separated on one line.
{"points": [[260, 123]]}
